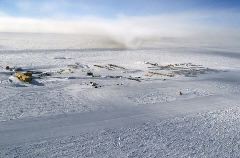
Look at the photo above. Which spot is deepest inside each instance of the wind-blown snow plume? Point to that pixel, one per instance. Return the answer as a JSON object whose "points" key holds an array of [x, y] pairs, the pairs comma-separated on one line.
{"points": [[131, 31]]}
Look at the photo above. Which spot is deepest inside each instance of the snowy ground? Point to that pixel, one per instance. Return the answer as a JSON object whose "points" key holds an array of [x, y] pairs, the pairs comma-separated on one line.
{"points": [[173, 100]]}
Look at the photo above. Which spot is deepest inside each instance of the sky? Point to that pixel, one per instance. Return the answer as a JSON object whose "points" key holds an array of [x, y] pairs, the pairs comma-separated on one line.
{"points": [[143, 17], [110, 8]]}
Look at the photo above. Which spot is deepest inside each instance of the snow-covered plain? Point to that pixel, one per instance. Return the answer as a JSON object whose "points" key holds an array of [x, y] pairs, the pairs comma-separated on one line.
{"points": [[100, 99]]}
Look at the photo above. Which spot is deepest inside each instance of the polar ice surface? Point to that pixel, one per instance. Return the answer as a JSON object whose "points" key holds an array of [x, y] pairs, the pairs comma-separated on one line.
{"points": [[168, 100], [210, 134]]}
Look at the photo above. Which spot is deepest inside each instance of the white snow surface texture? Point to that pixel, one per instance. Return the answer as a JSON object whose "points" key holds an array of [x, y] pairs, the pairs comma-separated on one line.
{"points": [[169, 98]]}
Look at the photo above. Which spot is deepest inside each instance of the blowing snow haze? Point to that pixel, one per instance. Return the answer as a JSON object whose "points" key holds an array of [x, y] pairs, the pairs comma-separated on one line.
{"points": [[124, 23]]}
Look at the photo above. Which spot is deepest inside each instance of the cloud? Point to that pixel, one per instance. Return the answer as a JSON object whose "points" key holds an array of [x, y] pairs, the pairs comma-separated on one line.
{"points": [[126, 29]]}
